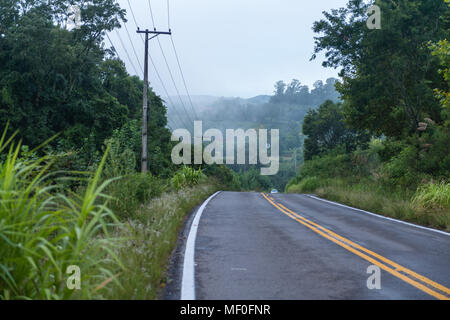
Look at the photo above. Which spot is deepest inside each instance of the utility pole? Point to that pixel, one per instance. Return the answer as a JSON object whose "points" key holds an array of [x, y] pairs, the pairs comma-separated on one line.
{"points": [[144, 159]]}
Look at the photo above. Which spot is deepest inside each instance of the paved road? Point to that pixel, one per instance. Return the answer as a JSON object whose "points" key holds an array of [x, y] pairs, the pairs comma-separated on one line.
{"points": [[254, 246]]}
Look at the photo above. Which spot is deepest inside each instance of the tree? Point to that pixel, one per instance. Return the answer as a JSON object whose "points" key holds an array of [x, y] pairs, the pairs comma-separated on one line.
{"points": [[294, 93], [280, 87], [388, 76], [326, 130], [49, 77], [442, 51], [57, 81]]}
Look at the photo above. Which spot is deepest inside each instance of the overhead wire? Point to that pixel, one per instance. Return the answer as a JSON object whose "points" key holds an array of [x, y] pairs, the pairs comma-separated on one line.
{"points": [[126, 51], [173, 80], [151, 14], [179, 64], [181, 120], [184, 80], [134, 49], [168, 14], [112, 45], [154, 65], [168, 67]]}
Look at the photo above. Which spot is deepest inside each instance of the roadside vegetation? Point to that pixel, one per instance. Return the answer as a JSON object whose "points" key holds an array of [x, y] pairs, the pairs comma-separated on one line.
{"points": [[386, 147], [149, 240], [43, 230], [120, 230]]}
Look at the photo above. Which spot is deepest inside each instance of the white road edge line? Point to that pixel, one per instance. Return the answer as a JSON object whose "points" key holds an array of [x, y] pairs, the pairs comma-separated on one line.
{"points": [[188, 280], [378, 215]]}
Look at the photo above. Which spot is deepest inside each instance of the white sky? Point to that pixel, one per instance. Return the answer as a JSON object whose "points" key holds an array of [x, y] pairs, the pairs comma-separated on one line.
{"points": [[229, 47]]}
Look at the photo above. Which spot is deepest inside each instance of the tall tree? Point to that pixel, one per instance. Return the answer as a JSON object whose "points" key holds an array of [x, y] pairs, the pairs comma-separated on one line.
{"points": [[53, 80], [326, 130], [388, 74]]}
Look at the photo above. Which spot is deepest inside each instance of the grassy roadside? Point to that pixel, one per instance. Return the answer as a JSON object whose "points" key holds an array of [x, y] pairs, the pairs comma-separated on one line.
{"points": [[117, 232], [149, 238], [372, 197]]}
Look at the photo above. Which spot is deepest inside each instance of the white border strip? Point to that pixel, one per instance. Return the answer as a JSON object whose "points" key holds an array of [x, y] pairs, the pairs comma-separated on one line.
{"points": [[379, 216], [188, 280]]}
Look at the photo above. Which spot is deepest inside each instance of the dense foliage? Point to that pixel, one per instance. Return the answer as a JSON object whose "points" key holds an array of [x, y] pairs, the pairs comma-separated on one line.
{"points": [[56, 81], [395, 92], [325, 130]]}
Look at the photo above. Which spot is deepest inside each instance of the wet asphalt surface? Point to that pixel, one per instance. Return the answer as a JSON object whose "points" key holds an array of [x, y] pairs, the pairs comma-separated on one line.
{"points": [[246, 249]]}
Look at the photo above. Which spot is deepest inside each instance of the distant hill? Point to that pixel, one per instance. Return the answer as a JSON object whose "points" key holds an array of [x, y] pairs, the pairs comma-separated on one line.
{"points": [[200, 102], [259, 99], [204, 103]]}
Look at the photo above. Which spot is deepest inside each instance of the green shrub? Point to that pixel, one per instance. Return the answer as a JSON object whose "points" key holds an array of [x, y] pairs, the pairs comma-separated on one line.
{"points": [[401, 170], [433, 195], [252, 180], [308, 184], [293, 188], [132, 191], [150, 240], [186, 177], [327, 166], [43, 231], [226, 177]]}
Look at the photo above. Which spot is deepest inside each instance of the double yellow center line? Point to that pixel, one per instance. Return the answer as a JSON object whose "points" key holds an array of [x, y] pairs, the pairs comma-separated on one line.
{"points": [[420, 282]]}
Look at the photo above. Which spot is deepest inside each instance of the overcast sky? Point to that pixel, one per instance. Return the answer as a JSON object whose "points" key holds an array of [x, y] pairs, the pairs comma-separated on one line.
{"points": [[229, 47]]}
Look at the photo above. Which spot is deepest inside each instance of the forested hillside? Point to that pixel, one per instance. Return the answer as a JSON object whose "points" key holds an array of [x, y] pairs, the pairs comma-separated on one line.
{"points": [[284, 110], [55, 81], [386, 146]]}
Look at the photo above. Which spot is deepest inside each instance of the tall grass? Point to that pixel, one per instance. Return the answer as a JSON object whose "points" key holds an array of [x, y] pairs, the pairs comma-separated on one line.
{"points": [[43, 230], [433, 195], [308, 184], [427, 207], [186, 177], [151, 234], [45, 226], [131, 192]]}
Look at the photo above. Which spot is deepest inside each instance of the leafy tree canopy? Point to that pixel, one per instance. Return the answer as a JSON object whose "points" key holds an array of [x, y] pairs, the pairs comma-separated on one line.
{"points": [[326, 131], [388, 74]]}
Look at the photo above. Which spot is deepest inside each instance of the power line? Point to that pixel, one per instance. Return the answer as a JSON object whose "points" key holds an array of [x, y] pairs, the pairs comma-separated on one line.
{"points": [[132, 45], [134, 18], [180, 119], [167, 65], [167, 93], [126, 51], [182, 76], [168, 14], [173, 80], [151, 14], [112, 45], [154, 66], [178, 62]]}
